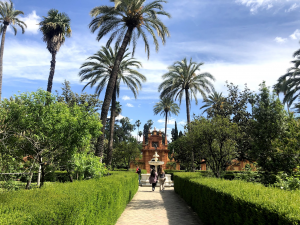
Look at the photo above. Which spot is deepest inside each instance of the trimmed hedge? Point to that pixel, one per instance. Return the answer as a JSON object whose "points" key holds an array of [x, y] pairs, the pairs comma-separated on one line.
{"points": [[237, 202], [95, 201]]}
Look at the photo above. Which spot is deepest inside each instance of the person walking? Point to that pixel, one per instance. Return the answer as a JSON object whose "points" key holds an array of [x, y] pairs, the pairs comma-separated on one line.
{"points": [[153, 179], [138, 171], [162, 178]]}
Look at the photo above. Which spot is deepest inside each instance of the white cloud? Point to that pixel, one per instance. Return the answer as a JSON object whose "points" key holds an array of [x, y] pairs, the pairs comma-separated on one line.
{"points": [[295, 35], [31, 21], [129, 105], [293, 7], [280, 40], [170, 121], [119, 117], [255, 5], [125, 98]]}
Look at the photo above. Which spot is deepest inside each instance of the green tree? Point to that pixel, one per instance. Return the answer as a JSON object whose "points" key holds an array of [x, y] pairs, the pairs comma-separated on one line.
{"points": [[216, 141], [90, 102], [55, 28], [98, 71], [166, 106], [212, 100], [127, 21], [181, 80], [8, 17], [270, 135], [127, 151], [138, 124], [174, 132], [48, 130], [150, 124]]}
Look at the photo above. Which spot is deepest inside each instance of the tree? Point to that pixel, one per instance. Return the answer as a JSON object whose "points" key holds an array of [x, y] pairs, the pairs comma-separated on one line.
{"points": [[138, 124], [180, 134], [55, 28], [174, 133], [150, 123], [49, 131], [8, 17], [127, 151], [271, 130], [145, 132], [140, 134], [216, 141], [98, 71], [166, 106], [127, 21], [89, 102], [213, 99], [181, 80]]}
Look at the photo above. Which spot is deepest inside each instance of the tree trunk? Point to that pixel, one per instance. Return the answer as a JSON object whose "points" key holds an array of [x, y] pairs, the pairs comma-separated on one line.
{"points": [[43, 172], [112, 125], [1, 57], [188, 122], [187, 102], [166, 124], [39, 174], [52, 70], [29, 181], [110, 90], [70, 175]]}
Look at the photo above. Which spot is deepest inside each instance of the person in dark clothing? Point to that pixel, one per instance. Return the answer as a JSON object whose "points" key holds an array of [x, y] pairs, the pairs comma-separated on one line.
{"points": [[153, 179], [138, 171]]}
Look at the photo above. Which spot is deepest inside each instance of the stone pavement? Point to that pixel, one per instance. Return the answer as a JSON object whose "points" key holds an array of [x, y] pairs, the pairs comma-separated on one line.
{"points": [[157, 207]]}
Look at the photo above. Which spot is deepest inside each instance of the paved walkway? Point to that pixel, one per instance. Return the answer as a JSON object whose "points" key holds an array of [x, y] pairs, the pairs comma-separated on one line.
{"points": [[157, 207]]}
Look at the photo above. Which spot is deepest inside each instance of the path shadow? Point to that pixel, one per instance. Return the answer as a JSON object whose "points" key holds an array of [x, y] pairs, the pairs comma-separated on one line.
{"points": [[177, 209]]}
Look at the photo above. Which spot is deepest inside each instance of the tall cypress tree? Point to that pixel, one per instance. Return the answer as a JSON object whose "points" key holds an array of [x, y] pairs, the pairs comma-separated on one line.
{"points": [[176, 132], [145, 132]]}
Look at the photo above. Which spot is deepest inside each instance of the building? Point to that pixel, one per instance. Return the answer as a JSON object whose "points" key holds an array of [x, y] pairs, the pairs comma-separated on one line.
{"points": [[154, 144]]}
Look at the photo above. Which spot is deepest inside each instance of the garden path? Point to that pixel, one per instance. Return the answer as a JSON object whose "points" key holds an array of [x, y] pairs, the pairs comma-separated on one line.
{"points": [[157, 207]]}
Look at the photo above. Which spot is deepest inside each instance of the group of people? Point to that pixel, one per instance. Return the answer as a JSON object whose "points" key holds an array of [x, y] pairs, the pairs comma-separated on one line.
{"points": [[154, 178]]}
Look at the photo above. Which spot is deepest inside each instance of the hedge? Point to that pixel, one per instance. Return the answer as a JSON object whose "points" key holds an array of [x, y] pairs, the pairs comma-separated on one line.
{"points": [[95, 201], [237, 202]]}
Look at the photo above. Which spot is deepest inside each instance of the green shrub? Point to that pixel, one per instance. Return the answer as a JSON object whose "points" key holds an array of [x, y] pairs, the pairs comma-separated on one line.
{"points": [[94, 201], [237, 202]]}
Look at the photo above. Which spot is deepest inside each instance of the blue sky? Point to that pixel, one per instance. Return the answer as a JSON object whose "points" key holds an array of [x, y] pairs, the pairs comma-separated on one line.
{"points": [[242, 41]]}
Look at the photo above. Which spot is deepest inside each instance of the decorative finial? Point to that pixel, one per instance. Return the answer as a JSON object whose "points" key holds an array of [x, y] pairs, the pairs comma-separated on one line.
{"points": [[154, 128]]}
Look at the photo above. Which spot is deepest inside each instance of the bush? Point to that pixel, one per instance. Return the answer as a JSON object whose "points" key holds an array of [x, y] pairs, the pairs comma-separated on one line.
{"points": [[237, 202], [61, 176], [94, 201]]}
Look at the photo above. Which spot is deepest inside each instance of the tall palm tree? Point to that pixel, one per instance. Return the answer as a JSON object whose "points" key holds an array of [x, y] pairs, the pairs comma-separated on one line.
{"points": [[182, 80], [98, 71], [8, 16], [282, 87], [166, 106], [138, 124], [55, 28], [213, 99], [126, 22]]}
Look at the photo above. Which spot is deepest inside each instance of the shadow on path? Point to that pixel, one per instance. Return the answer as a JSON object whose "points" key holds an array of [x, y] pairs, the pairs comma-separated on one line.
{"points": [[178, 212]]}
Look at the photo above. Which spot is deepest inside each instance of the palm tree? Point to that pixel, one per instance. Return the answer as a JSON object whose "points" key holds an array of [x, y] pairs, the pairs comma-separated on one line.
{"points": [[127, 21], [212, 100], [182, 80], [98, 71], [55, 28], [8, 16], [166, 106], [138, 124]]}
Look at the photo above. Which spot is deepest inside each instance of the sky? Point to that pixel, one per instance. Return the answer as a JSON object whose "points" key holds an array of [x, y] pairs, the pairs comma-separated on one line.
{"points": [[239, 41]]}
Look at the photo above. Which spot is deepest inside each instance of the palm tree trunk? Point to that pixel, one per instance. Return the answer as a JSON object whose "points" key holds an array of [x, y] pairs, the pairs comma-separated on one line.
{"points": [[188, 122], [52, 70], [1, 57], [166, 122], [112, 125], [187, 102], [110, 90]]}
